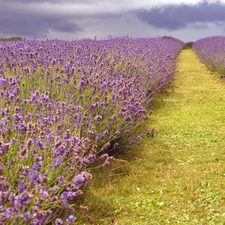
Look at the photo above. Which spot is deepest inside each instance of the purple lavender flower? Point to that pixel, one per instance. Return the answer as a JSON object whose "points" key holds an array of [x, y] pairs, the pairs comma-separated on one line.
{"points": [[108, 161], [79, 180], [57, 163], [100, 138], [59, 221], [9, 213], [44, 193], [70, 219], [66, 105], [104, 156], [26, 216], [4, 148], [60, 180], [3, 82], [117, 133], [106, 132]]}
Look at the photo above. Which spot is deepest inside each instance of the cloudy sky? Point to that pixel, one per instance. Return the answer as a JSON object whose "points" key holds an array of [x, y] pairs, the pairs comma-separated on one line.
{"points": [[187, 20]]}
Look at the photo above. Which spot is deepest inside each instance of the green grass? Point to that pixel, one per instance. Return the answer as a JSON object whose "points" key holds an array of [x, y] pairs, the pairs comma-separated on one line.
{"points": [[177, 177]]}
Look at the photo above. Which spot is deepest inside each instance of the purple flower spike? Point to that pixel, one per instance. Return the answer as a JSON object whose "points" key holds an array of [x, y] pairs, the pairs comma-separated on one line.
{"points": [[59, 221], [106, 132], [70, 219]]}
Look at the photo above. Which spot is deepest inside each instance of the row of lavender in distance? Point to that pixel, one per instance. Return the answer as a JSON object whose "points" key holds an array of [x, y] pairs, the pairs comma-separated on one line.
{"points": [[211, 51], [64, 105]]}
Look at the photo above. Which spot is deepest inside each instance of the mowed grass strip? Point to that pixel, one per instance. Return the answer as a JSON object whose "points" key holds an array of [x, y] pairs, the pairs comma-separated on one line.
{"points": [[177, 177]]}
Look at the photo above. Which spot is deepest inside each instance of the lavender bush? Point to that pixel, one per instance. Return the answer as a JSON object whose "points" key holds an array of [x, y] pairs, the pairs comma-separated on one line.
{"points": [[211, 51], [64, 106]]}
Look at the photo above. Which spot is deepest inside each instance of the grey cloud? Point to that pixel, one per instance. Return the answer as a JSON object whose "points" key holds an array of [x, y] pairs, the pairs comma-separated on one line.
{"points": [[35, 1], [68, 19], [35, 26], [174, 17], [52, 1], [199, 26], [31, 21]]}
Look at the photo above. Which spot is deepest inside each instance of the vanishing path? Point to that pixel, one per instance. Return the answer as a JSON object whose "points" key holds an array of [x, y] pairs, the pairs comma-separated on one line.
{"points": [[178, 177]]}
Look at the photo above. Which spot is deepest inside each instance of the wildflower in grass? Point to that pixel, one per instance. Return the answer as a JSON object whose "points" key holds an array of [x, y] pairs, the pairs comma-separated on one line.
{"points": [[151, 133], [88, 218], [84, 208]]}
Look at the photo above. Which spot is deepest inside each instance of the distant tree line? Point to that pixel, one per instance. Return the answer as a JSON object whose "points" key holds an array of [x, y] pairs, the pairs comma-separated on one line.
{"points": [[189, 44], [11, 39], [185, 45]]}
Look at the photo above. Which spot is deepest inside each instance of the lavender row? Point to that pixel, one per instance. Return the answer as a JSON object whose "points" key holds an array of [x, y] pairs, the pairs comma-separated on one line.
{"points": [[211, 51], [64, 106]]}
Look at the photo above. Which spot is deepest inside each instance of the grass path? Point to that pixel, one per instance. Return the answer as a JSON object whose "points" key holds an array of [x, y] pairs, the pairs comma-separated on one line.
{"points": [[177, 177]]}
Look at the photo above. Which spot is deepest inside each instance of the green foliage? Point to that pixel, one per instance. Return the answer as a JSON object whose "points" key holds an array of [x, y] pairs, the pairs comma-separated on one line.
{"points": [[11, 39], [189, 44]]}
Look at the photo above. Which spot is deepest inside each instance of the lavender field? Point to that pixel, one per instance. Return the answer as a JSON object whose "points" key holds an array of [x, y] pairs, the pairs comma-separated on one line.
{"points": [[66, 107], [211, 51]]}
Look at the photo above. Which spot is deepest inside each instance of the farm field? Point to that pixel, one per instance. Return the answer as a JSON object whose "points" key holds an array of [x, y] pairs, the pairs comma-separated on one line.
{"points": [[177, 177], [112, 112], [79, 143], [67, 108]]}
